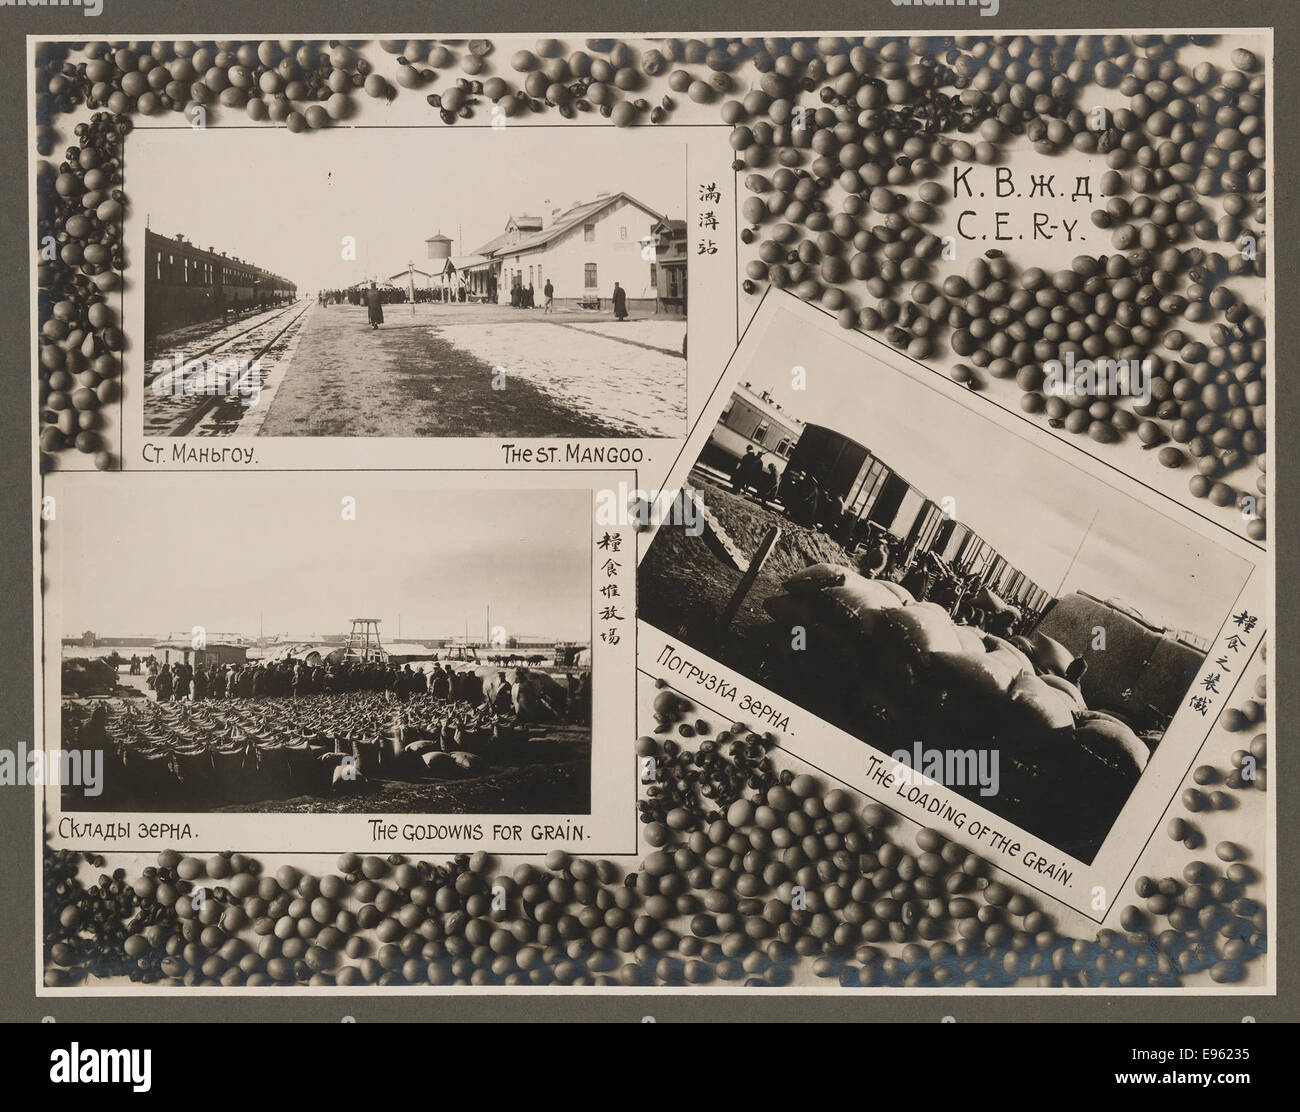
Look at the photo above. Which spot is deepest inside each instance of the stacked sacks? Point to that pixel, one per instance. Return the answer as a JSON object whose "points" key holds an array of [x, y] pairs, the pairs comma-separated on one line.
{"points": [[535, 696], [910, 673], [834, 613]]}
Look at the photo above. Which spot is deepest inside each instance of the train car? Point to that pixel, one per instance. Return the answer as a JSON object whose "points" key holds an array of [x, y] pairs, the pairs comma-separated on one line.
{"points": [[1140, 671], [185, 284]]}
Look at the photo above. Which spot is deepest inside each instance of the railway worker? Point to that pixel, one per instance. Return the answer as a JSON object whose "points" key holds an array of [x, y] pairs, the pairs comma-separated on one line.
{"points": [[548, 292], [744, 470], [374, 306], [620, 303], [876, 562]]}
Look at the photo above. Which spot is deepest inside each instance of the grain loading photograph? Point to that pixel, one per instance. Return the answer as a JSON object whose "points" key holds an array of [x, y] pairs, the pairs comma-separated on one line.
{"points": [[905, 570]]}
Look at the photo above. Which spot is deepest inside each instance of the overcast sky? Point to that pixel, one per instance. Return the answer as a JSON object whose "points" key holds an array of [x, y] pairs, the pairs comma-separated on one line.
{"points": [[181, 554], [1035, 509], [286, 202]]}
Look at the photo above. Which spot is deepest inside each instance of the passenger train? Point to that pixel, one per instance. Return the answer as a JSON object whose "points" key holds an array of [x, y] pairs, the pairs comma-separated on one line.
{"points": [[185, 284]]}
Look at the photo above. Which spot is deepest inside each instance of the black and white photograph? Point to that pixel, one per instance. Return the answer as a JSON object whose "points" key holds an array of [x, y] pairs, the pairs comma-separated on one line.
{"points": [[329, 649], [733, 520], [393, 282], [905, 570]]}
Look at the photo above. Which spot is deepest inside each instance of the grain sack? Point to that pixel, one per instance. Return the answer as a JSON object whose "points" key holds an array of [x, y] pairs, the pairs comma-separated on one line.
{"points": [[816, 578], [1066, 688], [1036, 706], [1110, 741]]}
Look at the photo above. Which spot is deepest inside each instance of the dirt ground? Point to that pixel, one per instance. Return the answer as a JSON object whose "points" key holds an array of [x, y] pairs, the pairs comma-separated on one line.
{"points": [[684, 584], [408, 378], [543, 789]]}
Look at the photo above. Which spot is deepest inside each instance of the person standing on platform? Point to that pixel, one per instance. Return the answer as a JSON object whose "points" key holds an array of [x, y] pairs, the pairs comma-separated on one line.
{"points": [[374, 306], [620, 302]]}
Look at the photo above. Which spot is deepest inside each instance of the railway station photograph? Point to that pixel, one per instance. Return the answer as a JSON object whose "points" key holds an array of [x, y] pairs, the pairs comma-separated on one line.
{"points": [[393, 282], [906, 570], [323, 657]]}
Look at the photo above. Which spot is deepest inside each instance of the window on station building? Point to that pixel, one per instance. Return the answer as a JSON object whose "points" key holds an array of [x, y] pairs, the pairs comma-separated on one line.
{"points": [[783, 447], [589, 233], [589, 276], [760, 431], [622, 231]]}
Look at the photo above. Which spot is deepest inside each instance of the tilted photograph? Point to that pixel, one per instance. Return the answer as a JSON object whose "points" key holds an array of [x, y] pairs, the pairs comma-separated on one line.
{"points": [[902, 568]]}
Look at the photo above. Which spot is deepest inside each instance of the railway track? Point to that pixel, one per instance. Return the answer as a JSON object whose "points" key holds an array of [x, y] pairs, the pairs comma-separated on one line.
{"points": [[151, 357], [222, 410]]}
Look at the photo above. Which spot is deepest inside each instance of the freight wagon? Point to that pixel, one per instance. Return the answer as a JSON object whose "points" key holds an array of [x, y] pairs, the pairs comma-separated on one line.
{"points": [[185, 284], [1140, 671], [875, 492]]}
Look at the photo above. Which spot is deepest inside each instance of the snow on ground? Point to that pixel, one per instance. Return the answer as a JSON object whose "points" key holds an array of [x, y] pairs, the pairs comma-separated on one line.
{"points": [[643, 390], [666, 334]]}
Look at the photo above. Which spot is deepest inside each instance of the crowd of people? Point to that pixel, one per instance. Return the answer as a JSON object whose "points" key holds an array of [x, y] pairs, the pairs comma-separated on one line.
{"points": [[798, 494], [271, 679], [275, 678], [881, 555], [391, 295], [521, 296]]}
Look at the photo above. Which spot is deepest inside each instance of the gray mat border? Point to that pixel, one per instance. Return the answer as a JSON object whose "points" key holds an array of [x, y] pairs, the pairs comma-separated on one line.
{"points": [[132, 18]]}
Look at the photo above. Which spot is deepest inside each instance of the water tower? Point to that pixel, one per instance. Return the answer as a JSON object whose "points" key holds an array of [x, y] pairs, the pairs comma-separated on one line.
{"points": [[439, 246], [363, 641]]}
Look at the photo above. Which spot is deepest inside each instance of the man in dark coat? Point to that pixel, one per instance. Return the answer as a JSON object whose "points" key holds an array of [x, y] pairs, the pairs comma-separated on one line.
{"points": [[548, 292], [441, 687], [374, 306], [503, 700], [744, 468], [163, 686], [620, 302]]}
